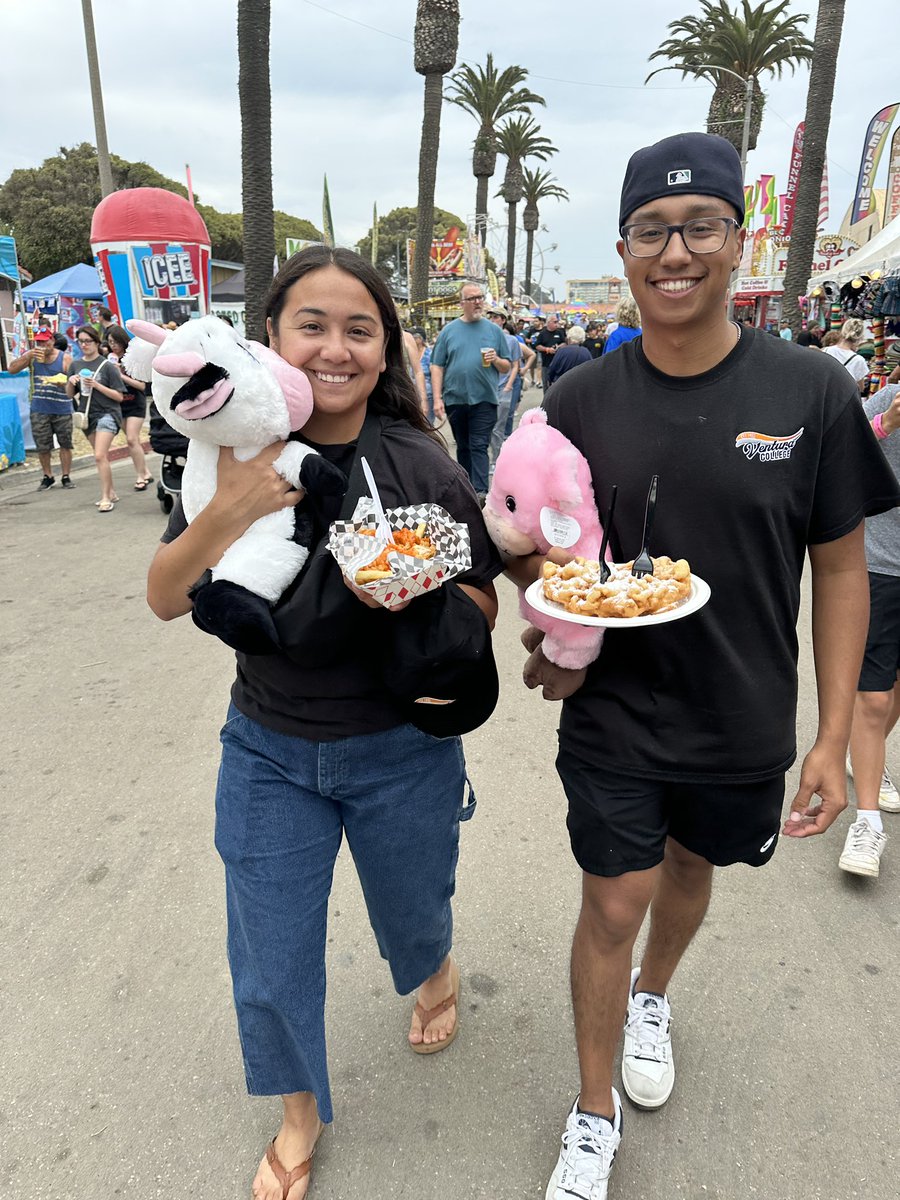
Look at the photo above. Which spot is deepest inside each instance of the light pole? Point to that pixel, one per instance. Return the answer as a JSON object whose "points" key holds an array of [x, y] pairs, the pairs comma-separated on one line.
{"points": [[90, 41], [748, 110]]}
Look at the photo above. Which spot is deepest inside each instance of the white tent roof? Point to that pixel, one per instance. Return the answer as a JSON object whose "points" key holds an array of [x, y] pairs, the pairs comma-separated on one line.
{"points": [[881, 253]]}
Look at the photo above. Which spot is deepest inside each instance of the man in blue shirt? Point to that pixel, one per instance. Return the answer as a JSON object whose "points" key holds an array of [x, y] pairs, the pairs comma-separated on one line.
{"points": [[466, 363]]}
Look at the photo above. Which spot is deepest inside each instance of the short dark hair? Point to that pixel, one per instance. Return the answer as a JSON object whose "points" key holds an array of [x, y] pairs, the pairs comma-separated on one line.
{"points": [[90, 331], [394, 394], [105, 314], [120, 334]]}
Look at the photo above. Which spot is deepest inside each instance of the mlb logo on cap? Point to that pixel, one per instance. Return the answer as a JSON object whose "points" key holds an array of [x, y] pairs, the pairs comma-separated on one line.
{"points": [[678, 177]]}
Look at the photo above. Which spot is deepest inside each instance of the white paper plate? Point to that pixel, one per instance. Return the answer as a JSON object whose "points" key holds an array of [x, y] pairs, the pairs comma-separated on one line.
{"points": [[700, 593]]}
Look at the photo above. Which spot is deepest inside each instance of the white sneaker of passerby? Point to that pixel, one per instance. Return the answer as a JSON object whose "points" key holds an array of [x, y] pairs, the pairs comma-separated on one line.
{"points": [[648, 1069], [589, 1145], [888, 796], [863, 849]]}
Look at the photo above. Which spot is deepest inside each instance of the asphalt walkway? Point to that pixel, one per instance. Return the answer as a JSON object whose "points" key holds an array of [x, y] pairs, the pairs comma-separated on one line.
{"points": [[121, 1071]]}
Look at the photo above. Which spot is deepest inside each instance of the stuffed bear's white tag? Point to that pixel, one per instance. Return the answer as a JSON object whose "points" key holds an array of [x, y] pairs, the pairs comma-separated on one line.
{"points": [[558, 529]]}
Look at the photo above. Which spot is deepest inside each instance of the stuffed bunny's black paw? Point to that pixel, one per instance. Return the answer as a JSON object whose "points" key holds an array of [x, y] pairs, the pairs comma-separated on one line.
{"points": [[237, 617]]}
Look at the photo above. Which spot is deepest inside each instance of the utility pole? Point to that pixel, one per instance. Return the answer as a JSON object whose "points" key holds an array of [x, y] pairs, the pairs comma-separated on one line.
{"points": [[90, 42]]}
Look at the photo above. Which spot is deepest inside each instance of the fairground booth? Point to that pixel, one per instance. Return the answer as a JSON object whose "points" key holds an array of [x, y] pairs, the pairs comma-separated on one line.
{"points": [[65, 301], [865, 286], [152, 252]]}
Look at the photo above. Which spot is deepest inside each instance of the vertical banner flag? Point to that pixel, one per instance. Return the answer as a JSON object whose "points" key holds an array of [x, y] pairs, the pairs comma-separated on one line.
{"points": [[327, 223], [374, 234], [751, 192], [768, 200], [892, 203], [823, 199], [790, 196], [876, 135]]}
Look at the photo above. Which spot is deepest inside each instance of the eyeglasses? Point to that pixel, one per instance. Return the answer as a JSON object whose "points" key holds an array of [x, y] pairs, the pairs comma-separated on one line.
{"points": [[703, 235], [470, 299]]}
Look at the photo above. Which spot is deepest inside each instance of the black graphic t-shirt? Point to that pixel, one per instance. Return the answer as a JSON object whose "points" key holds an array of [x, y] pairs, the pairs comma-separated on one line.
{"points": [[768, 452]]}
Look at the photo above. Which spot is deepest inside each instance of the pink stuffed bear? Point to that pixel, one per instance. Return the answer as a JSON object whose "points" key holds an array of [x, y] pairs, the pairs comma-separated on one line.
{"points": [[539, 468]]}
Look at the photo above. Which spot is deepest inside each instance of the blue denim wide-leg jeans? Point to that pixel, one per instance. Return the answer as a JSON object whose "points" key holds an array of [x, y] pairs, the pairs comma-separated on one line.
{"points": [[282, 806]]}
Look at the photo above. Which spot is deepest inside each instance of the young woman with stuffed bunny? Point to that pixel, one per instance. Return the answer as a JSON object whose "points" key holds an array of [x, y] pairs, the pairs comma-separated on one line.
{"points": [[320, 740]]}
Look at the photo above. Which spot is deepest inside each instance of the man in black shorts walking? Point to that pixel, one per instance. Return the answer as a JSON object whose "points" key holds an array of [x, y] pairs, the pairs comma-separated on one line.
{"points": [[878, 698], [674, 744]]}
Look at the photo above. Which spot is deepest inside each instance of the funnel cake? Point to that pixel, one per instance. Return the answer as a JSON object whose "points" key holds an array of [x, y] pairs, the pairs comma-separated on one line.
{"points": [[577, 587]]}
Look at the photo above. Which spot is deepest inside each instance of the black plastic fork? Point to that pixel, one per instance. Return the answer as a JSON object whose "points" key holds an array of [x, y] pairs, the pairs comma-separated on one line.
{"points": [[643, 564], [607, 525]]}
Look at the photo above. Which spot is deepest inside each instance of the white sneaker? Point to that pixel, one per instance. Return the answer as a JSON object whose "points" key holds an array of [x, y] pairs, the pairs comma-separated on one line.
{"points": [[888, 796], [648, 1069], [586, 1158], [862, 850]]}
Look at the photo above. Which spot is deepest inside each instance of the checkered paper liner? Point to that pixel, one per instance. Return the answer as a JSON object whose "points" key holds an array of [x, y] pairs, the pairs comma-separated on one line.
{"points": [[412, 576]]}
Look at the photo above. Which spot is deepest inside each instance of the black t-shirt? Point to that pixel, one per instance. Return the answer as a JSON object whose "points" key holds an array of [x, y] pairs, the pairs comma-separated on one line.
{"points": [[713, 696], [594, 344], [548, 337], [340, 693]]}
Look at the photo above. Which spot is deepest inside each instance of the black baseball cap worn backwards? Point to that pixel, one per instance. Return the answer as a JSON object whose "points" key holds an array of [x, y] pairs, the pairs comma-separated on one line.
{"points": [[687, 164]]}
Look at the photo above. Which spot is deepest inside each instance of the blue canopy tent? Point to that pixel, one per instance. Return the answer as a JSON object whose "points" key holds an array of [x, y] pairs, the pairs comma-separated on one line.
{"points": [[81, 282], [68, 296]]}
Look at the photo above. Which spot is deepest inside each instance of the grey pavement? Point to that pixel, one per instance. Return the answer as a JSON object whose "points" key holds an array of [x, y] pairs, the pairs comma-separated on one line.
{"points": [[121, 1070]]}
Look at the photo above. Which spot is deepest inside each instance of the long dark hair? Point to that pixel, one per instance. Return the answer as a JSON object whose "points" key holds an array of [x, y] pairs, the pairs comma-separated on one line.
{"points": [[394, 394]]}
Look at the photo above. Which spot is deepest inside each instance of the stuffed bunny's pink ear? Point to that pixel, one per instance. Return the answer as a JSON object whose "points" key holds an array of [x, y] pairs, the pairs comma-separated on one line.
{"points": [[294, 384], [150, 333], [564, 474]]}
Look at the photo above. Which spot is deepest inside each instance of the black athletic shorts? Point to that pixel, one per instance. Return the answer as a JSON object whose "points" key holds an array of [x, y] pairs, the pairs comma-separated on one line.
{"points": [[881, 660], [618, 823]]}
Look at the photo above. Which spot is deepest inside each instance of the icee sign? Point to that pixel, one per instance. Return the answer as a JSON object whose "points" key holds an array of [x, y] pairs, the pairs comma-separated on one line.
{"points": [[167, 270], [166, 273]]}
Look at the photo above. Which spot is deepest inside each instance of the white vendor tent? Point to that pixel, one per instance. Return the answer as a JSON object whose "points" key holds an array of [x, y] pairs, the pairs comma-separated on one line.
{"points": [[882, 253]]}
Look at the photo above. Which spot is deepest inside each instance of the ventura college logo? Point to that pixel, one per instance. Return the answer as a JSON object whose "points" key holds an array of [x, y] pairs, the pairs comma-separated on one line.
{"points": [[765, 447]]}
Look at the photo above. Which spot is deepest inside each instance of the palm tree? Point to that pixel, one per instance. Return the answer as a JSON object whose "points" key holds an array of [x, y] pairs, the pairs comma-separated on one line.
{"points": [[829, 25], [435, 45], [256, 159], [539, 185], [488, 95], [519, 138], [750, 42]]}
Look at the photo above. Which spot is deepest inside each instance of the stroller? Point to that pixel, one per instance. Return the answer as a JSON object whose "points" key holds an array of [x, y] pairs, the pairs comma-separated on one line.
{"points": [[173, 448]]}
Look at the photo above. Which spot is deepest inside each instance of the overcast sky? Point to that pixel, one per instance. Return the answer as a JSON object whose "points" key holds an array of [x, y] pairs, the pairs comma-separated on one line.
{"points": [[346, 101]]}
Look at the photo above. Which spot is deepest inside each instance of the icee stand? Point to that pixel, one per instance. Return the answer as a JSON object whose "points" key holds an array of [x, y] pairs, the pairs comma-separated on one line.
{"points": [[151, 248]]}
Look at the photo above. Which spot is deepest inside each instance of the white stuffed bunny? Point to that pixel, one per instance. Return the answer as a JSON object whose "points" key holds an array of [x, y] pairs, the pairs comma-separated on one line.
{"points": [[218, 390]]}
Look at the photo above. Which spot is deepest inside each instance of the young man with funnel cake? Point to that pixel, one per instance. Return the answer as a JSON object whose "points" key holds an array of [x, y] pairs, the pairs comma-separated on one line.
{"points": [[674, 743]]}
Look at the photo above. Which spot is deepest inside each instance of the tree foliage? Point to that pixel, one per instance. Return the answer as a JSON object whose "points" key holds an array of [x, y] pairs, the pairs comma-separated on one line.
{"points": [[393, 231], [48, 210], [489, 95], [746, 40]]}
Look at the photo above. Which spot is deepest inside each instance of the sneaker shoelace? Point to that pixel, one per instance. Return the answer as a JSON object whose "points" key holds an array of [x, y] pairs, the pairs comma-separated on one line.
{"points": [[887, 784], [589, 1156], [864, 839], [649, 1026]]}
